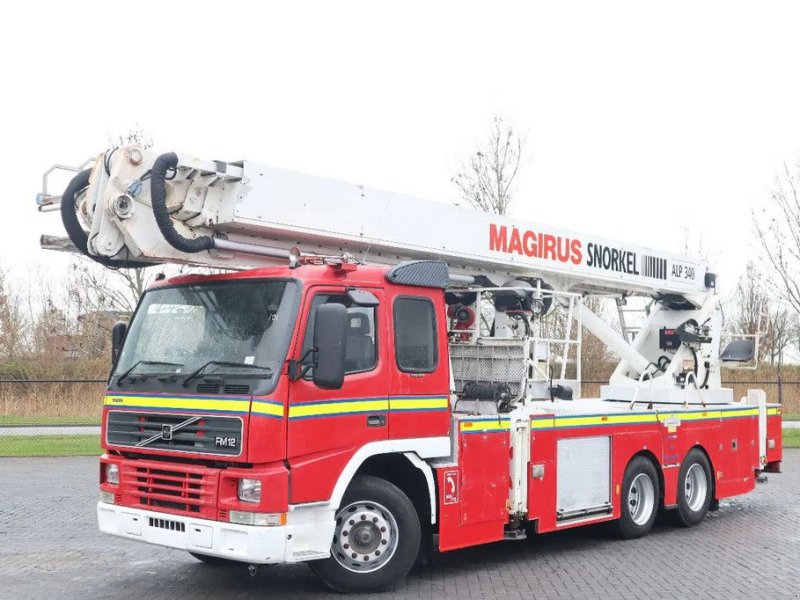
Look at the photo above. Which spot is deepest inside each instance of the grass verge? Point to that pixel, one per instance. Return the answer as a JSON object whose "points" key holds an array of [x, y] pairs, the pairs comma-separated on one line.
{"points": [[791, 416], [49, 445], [791, 438]]}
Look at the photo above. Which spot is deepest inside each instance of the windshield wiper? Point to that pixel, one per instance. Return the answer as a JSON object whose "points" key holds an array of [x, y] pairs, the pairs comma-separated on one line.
{"points": [[146, 362], [223, 363]]}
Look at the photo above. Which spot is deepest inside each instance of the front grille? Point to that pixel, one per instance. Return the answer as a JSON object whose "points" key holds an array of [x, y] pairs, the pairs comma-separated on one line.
{"points": [[208, 435], [182, 489]]}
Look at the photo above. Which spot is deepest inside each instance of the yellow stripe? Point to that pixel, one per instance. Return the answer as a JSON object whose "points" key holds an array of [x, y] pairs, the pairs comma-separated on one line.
{"points": [[773, 411], [577, 421], [331, 408], [743, 412], [691, 416], [594, 420], [418, 403], [480, 426], [187, 404]]}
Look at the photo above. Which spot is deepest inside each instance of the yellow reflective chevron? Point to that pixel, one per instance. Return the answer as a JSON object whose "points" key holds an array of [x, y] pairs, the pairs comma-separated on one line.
{"points": [[179, 403], [267, 408]]}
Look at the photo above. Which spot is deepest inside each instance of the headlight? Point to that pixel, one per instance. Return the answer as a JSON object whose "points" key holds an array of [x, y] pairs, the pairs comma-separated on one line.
{"points": [[250, 490], [112, 473]]}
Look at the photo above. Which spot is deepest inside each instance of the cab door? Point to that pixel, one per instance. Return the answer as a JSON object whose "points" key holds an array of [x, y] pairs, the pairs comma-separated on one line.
{"points": [[420, 384], [326, 427]]}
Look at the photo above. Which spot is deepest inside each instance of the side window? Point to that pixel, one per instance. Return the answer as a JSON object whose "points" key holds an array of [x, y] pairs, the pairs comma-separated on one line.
{"points": [[362, 348], [415, 335]]}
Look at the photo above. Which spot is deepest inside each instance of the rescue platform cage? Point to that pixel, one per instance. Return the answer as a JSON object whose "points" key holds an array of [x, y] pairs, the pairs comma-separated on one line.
{"points": [[527, 357]]}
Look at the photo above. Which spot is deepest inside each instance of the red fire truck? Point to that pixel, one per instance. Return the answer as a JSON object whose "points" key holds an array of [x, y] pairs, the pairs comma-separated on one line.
{"points": [[377, 376]]}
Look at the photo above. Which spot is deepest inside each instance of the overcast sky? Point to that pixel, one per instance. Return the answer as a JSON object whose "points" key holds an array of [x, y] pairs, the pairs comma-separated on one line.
{"points": [[643, 119]]}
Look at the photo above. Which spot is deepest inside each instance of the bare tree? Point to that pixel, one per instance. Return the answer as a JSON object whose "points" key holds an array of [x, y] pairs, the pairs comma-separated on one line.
{"points": [[780, 334], [12, 322], [777, 228], [751, 301], [486, 179], [757, 311]]}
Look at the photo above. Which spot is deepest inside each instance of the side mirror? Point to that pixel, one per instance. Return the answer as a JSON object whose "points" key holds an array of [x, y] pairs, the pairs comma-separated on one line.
{"points": [[117, 337], [330, 345]]}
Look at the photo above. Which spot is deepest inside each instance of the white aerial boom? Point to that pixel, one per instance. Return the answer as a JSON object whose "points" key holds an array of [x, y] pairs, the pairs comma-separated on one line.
{"points": [[135, 208], [243, 214]]}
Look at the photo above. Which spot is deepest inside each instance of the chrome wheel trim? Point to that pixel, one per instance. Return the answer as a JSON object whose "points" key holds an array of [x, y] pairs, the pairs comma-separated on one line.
{"points": [[695, 487], [641, 499], [365, 538]]}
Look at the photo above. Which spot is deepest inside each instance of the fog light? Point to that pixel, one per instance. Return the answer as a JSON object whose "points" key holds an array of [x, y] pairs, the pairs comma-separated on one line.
{"points": [[112, 473], [107, 497], [250, 490], [258, 519]]}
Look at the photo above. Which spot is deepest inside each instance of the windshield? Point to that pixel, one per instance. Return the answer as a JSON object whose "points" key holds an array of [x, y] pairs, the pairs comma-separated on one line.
{"points": [[231, 330]]}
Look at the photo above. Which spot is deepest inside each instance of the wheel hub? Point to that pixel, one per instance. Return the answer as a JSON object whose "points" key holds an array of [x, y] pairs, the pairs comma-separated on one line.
{"points": [[695, 487], [365, 538], [641, 499]]}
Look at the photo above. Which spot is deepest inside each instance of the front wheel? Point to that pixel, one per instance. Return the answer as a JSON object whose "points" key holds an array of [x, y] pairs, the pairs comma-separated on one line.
{"points": [[640, 494], [376, 539]]}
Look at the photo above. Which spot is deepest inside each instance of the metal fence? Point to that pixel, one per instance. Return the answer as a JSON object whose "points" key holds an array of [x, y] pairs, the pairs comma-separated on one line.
{"points": [[45, 417]]}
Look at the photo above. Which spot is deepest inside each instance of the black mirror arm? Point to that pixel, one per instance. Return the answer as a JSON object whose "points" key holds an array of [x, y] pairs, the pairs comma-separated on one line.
{"points": [[299, 368]]}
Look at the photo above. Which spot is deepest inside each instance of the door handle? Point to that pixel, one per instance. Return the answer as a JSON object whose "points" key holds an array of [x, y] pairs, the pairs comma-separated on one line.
{"points": [[376, 421]]}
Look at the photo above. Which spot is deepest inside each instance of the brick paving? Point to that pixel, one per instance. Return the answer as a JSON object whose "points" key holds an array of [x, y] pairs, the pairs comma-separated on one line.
{"points": [[750, 548]]}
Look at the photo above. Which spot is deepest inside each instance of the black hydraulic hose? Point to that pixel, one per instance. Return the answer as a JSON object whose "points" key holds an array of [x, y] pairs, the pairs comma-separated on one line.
{"points": [[158, 198], [69, 217]]}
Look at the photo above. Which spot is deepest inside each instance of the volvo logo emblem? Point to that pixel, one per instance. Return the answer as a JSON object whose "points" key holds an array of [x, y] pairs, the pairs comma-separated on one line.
{"points": [[166, 432]]}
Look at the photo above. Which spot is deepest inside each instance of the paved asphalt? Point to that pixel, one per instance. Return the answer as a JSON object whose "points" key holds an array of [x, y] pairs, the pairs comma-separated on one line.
{"points": [[750, 548]]}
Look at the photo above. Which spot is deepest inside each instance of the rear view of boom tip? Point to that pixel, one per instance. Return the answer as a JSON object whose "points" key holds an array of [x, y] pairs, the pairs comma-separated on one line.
{"points": [[75, 231]]}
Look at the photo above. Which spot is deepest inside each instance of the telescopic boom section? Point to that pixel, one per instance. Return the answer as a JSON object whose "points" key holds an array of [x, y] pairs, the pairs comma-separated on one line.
{"points": [[144, 208]]}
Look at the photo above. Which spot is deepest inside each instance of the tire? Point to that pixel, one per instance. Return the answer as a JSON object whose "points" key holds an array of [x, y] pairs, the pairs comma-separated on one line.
{"points": [[695, 483], [388, 542], [639, 499], [215, 561]]}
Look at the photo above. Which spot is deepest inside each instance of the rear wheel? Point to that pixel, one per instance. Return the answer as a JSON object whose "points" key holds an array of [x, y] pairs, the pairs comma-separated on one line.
{"points": [[639, 496], [215, 561], [376, 540], [694, 489]]}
